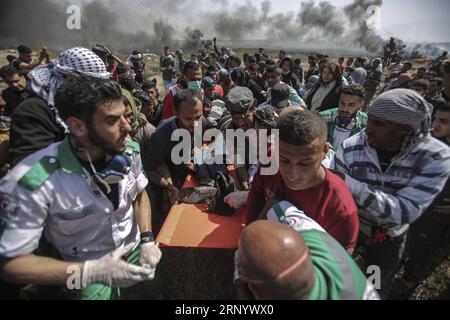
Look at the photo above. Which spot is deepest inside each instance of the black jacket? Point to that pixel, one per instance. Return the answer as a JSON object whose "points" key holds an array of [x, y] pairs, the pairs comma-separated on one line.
{"points": [[13, 99], [33, 127], [330, 101]]}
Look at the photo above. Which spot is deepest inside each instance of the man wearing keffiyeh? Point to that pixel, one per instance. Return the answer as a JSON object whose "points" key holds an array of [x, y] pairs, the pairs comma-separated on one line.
{"points": [[36, 123], [394, 170]]}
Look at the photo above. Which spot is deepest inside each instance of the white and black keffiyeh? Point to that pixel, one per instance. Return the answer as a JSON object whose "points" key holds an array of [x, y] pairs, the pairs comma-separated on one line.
{"points": [[406, 107], [47, 78]]}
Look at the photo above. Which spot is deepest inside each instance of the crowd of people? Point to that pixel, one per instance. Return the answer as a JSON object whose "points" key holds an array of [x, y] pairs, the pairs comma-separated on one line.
{"points": [[88, 171]]}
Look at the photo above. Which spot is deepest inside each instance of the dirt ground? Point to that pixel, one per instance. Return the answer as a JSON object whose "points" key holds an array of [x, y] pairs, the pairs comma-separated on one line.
{"points": [[206, 274]]}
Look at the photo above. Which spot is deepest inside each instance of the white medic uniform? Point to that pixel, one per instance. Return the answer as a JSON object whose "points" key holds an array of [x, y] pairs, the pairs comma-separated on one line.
{"points": [[50, 191]]}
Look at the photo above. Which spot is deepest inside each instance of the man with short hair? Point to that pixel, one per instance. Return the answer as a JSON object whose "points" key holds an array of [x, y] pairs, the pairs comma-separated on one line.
{"points": [[191, 79], [359, 74], [292, 257], [420, 86], [36, 123], [18, 88], [313, 68], [432, 230], [421, 71], [434, 89], [188, 111], [181, 60], [213, 61], [25, 61], [280, 97], [348, 119], [167, 67], [273, 77], [257, 84], [87, 194], [394, 169], [304, 181]]}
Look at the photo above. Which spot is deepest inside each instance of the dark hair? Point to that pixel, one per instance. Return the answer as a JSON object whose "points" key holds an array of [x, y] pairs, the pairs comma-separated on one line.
{"points": [[211, 69], [190, 65], [166, 47], [184, 95], [10, 58], [213, 55], [121, 69], [251, 59], [408, 63], [253, 67], [79, 96], [422, 83], [8, 71], [24, 49], [145, 99], [148, 84], [298, 61], [236, 59], [335, 69], [282, 52], [274, 69], [440, 81], [443, 107], [300, 127], [127, 83], [354, 90], [323, 61]]}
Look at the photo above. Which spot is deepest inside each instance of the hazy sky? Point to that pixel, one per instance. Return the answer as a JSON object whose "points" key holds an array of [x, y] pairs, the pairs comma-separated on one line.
{"points": [[411, 20]]}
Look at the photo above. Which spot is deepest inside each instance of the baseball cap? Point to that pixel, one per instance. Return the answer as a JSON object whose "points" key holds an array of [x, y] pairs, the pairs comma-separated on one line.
{"points": [[239, 100], [208, 82]]}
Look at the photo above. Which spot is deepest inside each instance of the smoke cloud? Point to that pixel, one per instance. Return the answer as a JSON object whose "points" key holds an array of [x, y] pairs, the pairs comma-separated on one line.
{"points": [[152, 24]]}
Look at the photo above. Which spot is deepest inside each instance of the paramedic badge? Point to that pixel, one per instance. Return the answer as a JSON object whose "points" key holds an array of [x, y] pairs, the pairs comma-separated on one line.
{"points": [[8, 205]]}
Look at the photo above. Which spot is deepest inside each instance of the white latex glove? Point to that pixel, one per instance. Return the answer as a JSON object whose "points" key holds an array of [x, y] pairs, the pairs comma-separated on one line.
{"points": [[112, 271], [237, 199], [150, 256]]}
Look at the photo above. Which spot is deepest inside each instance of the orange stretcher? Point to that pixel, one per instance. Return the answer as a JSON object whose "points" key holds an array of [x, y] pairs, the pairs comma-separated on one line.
{"points": [[189, 225]]}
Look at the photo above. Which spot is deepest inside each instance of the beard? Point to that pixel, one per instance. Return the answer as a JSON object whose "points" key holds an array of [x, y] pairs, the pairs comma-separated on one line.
{"points": [[102, 143]]}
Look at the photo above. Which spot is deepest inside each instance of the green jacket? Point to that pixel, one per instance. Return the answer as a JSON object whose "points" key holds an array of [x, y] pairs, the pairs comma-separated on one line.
{"points": [[329, 116]]}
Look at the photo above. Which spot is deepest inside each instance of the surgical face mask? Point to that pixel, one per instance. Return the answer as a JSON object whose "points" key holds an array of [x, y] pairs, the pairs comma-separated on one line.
{"points": [[195, 86]]}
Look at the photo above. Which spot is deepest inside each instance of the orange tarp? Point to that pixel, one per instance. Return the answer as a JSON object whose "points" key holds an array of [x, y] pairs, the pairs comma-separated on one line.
{"points": [[188, 225]]}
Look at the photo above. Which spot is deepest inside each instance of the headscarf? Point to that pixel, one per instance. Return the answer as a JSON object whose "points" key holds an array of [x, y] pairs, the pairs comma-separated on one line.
{"points": [[406, 107], [136, 106], [47, 78]]}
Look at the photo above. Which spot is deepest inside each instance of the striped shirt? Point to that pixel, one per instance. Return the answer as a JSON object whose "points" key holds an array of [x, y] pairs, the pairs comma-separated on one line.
{"points": [[397, 197]]}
